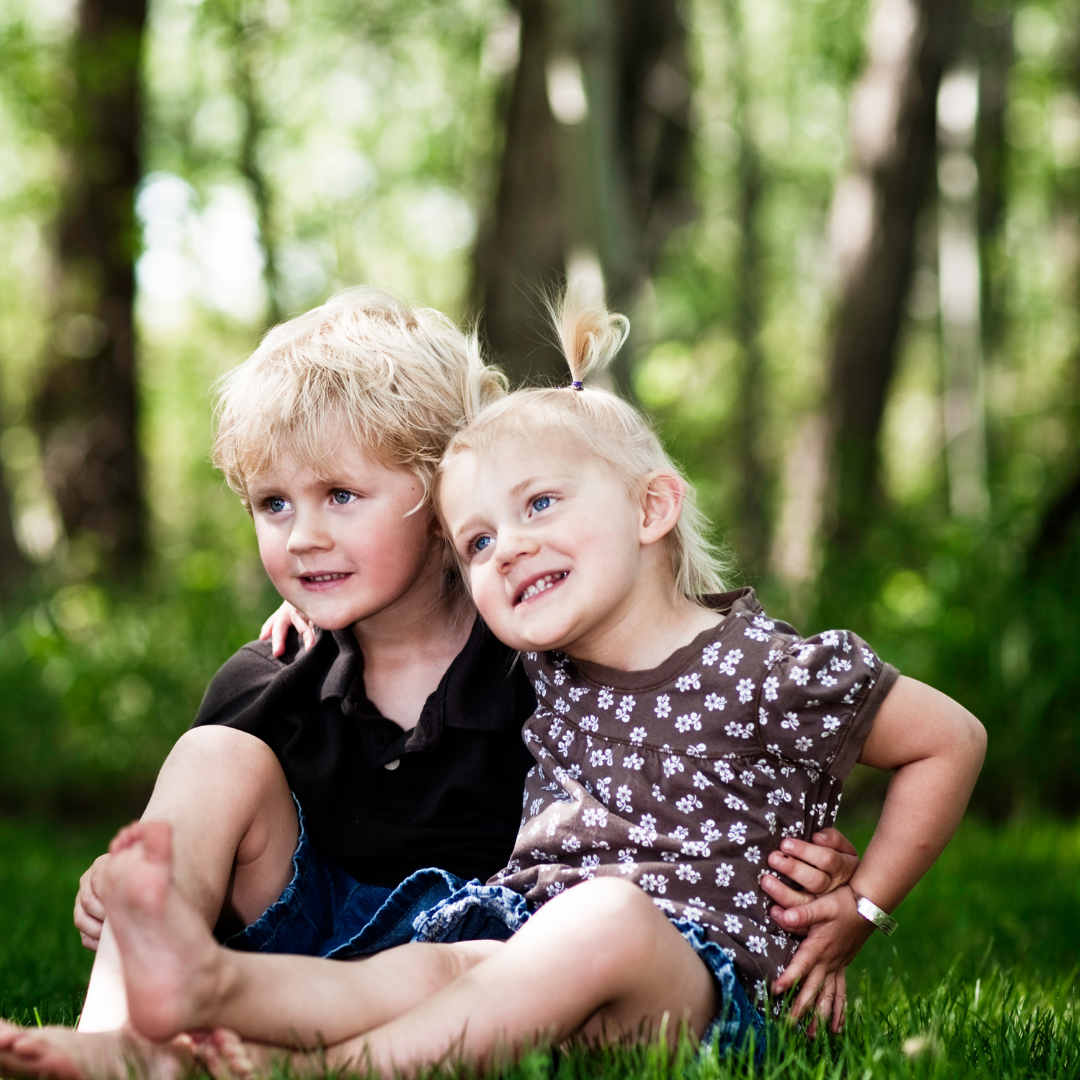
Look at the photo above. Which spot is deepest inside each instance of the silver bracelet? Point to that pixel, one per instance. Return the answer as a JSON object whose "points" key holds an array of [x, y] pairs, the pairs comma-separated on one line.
{"points": [[872, 913]]}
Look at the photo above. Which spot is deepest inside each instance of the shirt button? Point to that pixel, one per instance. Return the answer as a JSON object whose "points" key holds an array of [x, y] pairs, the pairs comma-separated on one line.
{"points": [[390, 766]]}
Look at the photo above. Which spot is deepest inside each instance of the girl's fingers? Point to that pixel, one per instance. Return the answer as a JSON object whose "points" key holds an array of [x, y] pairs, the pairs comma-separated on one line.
{"points": [[806, 957], [267, 627], [783, 894], [839, 1003], [305, 629], [813, 880], [808, 993], [836, 840]]}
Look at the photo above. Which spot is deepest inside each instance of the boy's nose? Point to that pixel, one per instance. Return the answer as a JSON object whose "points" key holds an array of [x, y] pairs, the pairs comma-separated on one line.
{"points": [[307, 536]]}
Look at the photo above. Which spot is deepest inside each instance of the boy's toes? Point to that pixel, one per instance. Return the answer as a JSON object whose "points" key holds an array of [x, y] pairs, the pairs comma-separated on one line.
{"points": [[126, 838]]}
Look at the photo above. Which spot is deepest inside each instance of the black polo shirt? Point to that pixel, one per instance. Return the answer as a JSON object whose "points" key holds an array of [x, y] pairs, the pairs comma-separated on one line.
{"points": [[381, 801]]}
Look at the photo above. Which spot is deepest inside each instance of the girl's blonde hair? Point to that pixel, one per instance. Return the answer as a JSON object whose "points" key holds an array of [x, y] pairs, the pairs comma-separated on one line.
{"points": [[397, 378], [602, 425]]}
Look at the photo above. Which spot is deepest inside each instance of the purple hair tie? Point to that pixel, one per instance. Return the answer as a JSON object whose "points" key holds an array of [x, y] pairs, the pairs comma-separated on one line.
{"points": [[577, 385]]}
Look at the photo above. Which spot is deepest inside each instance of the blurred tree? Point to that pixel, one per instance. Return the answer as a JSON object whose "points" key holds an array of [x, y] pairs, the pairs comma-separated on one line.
{"points": [[874, 217], [87, 407], [594, 167]]}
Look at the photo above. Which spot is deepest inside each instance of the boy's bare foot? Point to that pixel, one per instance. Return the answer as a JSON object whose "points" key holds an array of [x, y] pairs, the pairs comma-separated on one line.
{"points": [[170, 958], [58, 1053]]}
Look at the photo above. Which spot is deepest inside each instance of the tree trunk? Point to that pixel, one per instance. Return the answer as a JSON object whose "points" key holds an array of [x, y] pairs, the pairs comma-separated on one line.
{"points": [[875, 214], [87, 408], [594, 165]]}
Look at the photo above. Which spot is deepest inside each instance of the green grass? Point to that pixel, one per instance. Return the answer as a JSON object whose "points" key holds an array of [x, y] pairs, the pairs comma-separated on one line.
{"points": [[980, 980]]}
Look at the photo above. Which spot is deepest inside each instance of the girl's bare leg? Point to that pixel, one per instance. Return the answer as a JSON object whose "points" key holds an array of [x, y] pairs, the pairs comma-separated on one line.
{"points": [[600, 958], [234, 834]]}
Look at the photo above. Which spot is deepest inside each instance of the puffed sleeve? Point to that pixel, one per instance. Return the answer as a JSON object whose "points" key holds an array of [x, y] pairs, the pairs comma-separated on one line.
{"points": [[819, 700]]}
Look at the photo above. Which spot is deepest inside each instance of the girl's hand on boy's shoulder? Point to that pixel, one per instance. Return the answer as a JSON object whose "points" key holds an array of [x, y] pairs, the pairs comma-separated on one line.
{"points": [[276, 628], [836, 932], [89, 910]]}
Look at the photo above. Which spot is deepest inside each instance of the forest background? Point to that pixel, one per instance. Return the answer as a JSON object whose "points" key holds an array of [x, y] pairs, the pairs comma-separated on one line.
{"points": [[847, 235]]}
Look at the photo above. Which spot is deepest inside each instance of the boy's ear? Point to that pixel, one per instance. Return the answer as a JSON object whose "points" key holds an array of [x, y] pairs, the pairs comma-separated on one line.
{"points": [[661, 504]]}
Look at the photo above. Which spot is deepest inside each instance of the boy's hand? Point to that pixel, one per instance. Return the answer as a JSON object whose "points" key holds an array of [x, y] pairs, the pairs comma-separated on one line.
{"points": [[89, 910], [277, 627], [820, 867], [835, 932]]}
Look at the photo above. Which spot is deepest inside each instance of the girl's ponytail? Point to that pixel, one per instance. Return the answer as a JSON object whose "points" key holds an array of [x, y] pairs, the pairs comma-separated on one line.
{"points": [[589, 334]]}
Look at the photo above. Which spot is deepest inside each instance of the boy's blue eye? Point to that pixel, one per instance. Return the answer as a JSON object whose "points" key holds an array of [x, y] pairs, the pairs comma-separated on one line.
{"points": [[542, 502], [276, 504], [343, 498]]}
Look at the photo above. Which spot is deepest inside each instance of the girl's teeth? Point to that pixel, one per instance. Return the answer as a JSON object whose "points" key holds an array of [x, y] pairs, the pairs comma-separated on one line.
{"points": [[540, 586]]}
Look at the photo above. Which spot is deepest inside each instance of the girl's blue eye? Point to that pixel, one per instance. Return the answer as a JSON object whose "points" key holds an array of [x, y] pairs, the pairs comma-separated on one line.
{"points": [[482, 542], [276, 504], [542, 502]]}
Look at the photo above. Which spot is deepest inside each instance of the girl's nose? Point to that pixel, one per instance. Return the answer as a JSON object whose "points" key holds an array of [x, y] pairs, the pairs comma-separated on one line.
{"points": [[512, 547]]}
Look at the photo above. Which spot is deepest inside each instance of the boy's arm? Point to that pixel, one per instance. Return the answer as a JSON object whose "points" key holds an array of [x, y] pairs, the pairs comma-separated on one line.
{"points": [[936, 748]]}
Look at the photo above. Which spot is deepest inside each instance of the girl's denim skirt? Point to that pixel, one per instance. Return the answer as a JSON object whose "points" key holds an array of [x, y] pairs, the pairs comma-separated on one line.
{"points": [[326, 912]]}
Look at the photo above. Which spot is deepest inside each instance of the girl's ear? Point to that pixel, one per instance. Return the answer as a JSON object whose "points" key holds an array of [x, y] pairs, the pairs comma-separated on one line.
{"points": [[661, 505]]}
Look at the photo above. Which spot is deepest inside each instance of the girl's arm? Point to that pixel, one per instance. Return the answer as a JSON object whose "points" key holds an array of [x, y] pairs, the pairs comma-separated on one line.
{"points": [[936, 748], [277, 627]]}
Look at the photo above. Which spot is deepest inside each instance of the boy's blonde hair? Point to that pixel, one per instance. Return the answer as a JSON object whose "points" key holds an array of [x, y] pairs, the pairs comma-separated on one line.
{"points": [[602, 425], [397, 378]]}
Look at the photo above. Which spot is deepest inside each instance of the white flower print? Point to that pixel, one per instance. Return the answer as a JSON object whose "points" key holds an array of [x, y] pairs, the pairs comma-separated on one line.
{"points": [[774, 655], [747, 777], [656, 883], [771, 688], [715, 703], [690, 722], [762, 716], [733, 802], [737, 832], [838, 663], [539, 688], [763, 623], [766, 769], [645, 833], [622, 799], [868, 658], [594, 817], [626, 855], [743, 899], [802, 744], [576, 693], [724, 771], [778, 796], [565, 741], [669, 856], [694, 914], [555, 729], [536, 806], [560, 706], [757, 944], [603, 789], [588, 866], [665, 905], [574, 772], [746, 690], [633, 761], [752, 855], [570, 843], [685, 872], [663, 706], [672, 765], [602, 757], [696, 750], [696, 849], [730, 662], [724, 873], [626, 707], [800, 676], [680, 832], [825, 678], [770, 820], [732, 924], [710, 831], [657, 794], [638, 736], [688, 682], [555, 888], [830, 723], [790, 721], [605, 699], [589, 723], [701, 781], [739, 731], [710, 654], [688, 804], [830, 638], [755, 633]]}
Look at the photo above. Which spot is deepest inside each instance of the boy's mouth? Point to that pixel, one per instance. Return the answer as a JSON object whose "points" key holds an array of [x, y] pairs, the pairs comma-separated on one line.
{"points": [[322, 579], [548, 581]]}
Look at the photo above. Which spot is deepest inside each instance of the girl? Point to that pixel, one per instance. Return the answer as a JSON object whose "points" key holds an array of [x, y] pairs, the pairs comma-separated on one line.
{"points": [[680, 736]]}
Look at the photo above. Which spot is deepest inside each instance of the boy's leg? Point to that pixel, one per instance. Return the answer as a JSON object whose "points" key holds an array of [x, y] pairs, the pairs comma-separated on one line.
{"points": [[234, 833]]}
